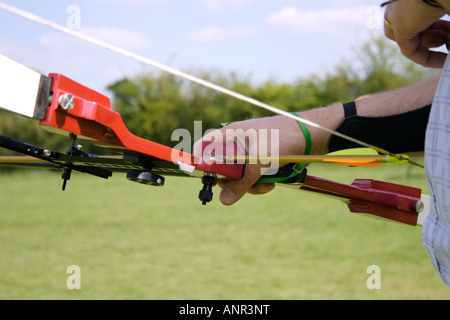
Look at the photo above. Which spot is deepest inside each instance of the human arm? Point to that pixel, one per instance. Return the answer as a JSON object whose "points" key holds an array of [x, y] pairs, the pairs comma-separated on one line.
{"points": [[291, 139]]}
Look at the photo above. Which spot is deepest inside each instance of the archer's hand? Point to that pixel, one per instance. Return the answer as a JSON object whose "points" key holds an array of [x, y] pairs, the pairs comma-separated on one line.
{"points": [[416, 28], [268, 135]]}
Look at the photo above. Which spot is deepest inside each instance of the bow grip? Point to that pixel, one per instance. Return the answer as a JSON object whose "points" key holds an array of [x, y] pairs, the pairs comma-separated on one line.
{"points": [[219, 154]]}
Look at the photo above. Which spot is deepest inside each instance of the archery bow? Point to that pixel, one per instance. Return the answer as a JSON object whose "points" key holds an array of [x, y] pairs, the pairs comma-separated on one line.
{"points": [[71, 107]]}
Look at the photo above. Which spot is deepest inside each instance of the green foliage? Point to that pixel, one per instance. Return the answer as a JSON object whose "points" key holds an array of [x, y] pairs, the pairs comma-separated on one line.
{"points": [[385, 69], [28, 130], [154, 104], [149, 105]]}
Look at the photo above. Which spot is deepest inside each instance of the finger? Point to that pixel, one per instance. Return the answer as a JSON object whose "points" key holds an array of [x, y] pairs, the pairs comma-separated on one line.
{"points": [[428, 58], [436, 35], [442, 25], [388, 30], [414, 50], [233, 190], [261, 188], [433, 38]]}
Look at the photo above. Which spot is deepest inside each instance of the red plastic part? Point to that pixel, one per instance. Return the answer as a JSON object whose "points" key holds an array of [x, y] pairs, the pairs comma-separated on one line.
{"points": [[93, 118], [383, 199]]}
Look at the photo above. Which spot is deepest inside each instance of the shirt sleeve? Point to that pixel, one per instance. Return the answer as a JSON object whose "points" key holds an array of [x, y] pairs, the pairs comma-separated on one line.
{"points": [[436, 229]]}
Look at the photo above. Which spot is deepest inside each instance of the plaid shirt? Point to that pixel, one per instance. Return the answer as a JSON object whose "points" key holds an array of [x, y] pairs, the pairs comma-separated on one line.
{"points": [[436, 229]]}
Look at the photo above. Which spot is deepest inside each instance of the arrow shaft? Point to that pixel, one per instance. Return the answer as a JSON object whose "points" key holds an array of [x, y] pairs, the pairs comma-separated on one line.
{"points": [[349, 159]]}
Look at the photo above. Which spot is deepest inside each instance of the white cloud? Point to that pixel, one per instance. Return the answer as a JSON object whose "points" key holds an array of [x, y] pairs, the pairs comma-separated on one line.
{"points": [[127, 2], [84, 62], [120, 37], [225, 4], [222, 34], [323, 21]]}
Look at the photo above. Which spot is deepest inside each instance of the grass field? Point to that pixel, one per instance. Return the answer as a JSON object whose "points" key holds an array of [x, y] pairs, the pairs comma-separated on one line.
{"points": [[131, 241]]}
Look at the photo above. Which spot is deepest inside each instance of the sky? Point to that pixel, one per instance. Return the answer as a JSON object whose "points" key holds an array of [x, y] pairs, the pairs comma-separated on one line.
{"points": [[258, 39]]}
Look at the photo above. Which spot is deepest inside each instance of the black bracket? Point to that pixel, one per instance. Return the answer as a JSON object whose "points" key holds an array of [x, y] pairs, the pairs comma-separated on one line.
{"points": [[145, 177], [209, 181], [56, 157]]}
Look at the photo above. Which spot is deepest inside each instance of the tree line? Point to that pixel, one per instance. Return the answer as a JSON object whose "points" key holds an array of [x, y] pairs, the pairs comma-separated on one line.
{"points": [[154, 104]]}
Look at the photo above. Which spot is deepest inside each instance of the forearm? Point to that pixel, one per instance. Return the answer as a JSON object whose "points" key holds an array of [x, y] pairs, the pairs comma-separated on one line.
{"points": [[386, 103], [397, 101], [382, 104]]}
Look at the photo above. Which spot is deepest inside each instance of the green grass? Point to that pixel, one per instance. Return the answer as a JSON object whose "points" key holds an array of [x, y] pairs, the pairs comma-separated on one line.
{"points": [[137, 242]]}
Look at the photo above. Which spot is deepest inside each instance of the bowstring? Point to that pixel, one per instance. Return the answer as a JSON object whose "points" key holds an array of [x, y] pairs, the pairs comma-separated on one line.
{"points": [[189, 77]]}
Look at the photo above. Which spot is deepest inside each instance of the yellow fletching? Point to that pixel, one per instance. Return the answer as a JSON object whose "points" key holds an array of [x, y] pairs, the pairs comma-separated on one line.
{"points": [[354, 152]]}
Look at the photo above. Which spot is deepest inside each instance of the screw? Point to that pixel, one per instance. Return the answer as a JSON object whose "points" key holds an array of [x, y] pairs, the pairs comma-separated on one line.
{"points": [[47, 153], [419, 206], [66, 101]]}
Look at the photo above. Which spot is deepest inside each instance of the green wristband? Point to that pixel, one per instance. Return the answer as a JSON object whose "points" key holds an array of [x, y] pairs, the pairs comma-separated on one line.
{"points": [[297, 168], [306, 134], [296, 172]]}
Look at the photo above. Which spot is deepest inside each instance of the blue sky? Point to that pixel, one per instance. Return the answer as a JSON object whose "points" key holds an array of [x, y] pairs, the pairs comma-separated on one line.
{"points": [[260, 39]]}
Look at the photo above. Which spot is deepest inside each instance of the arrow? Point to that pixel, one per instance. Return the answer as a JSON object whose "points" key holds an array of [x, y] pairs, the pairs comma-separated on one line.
{"points": [[357, 157]]}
